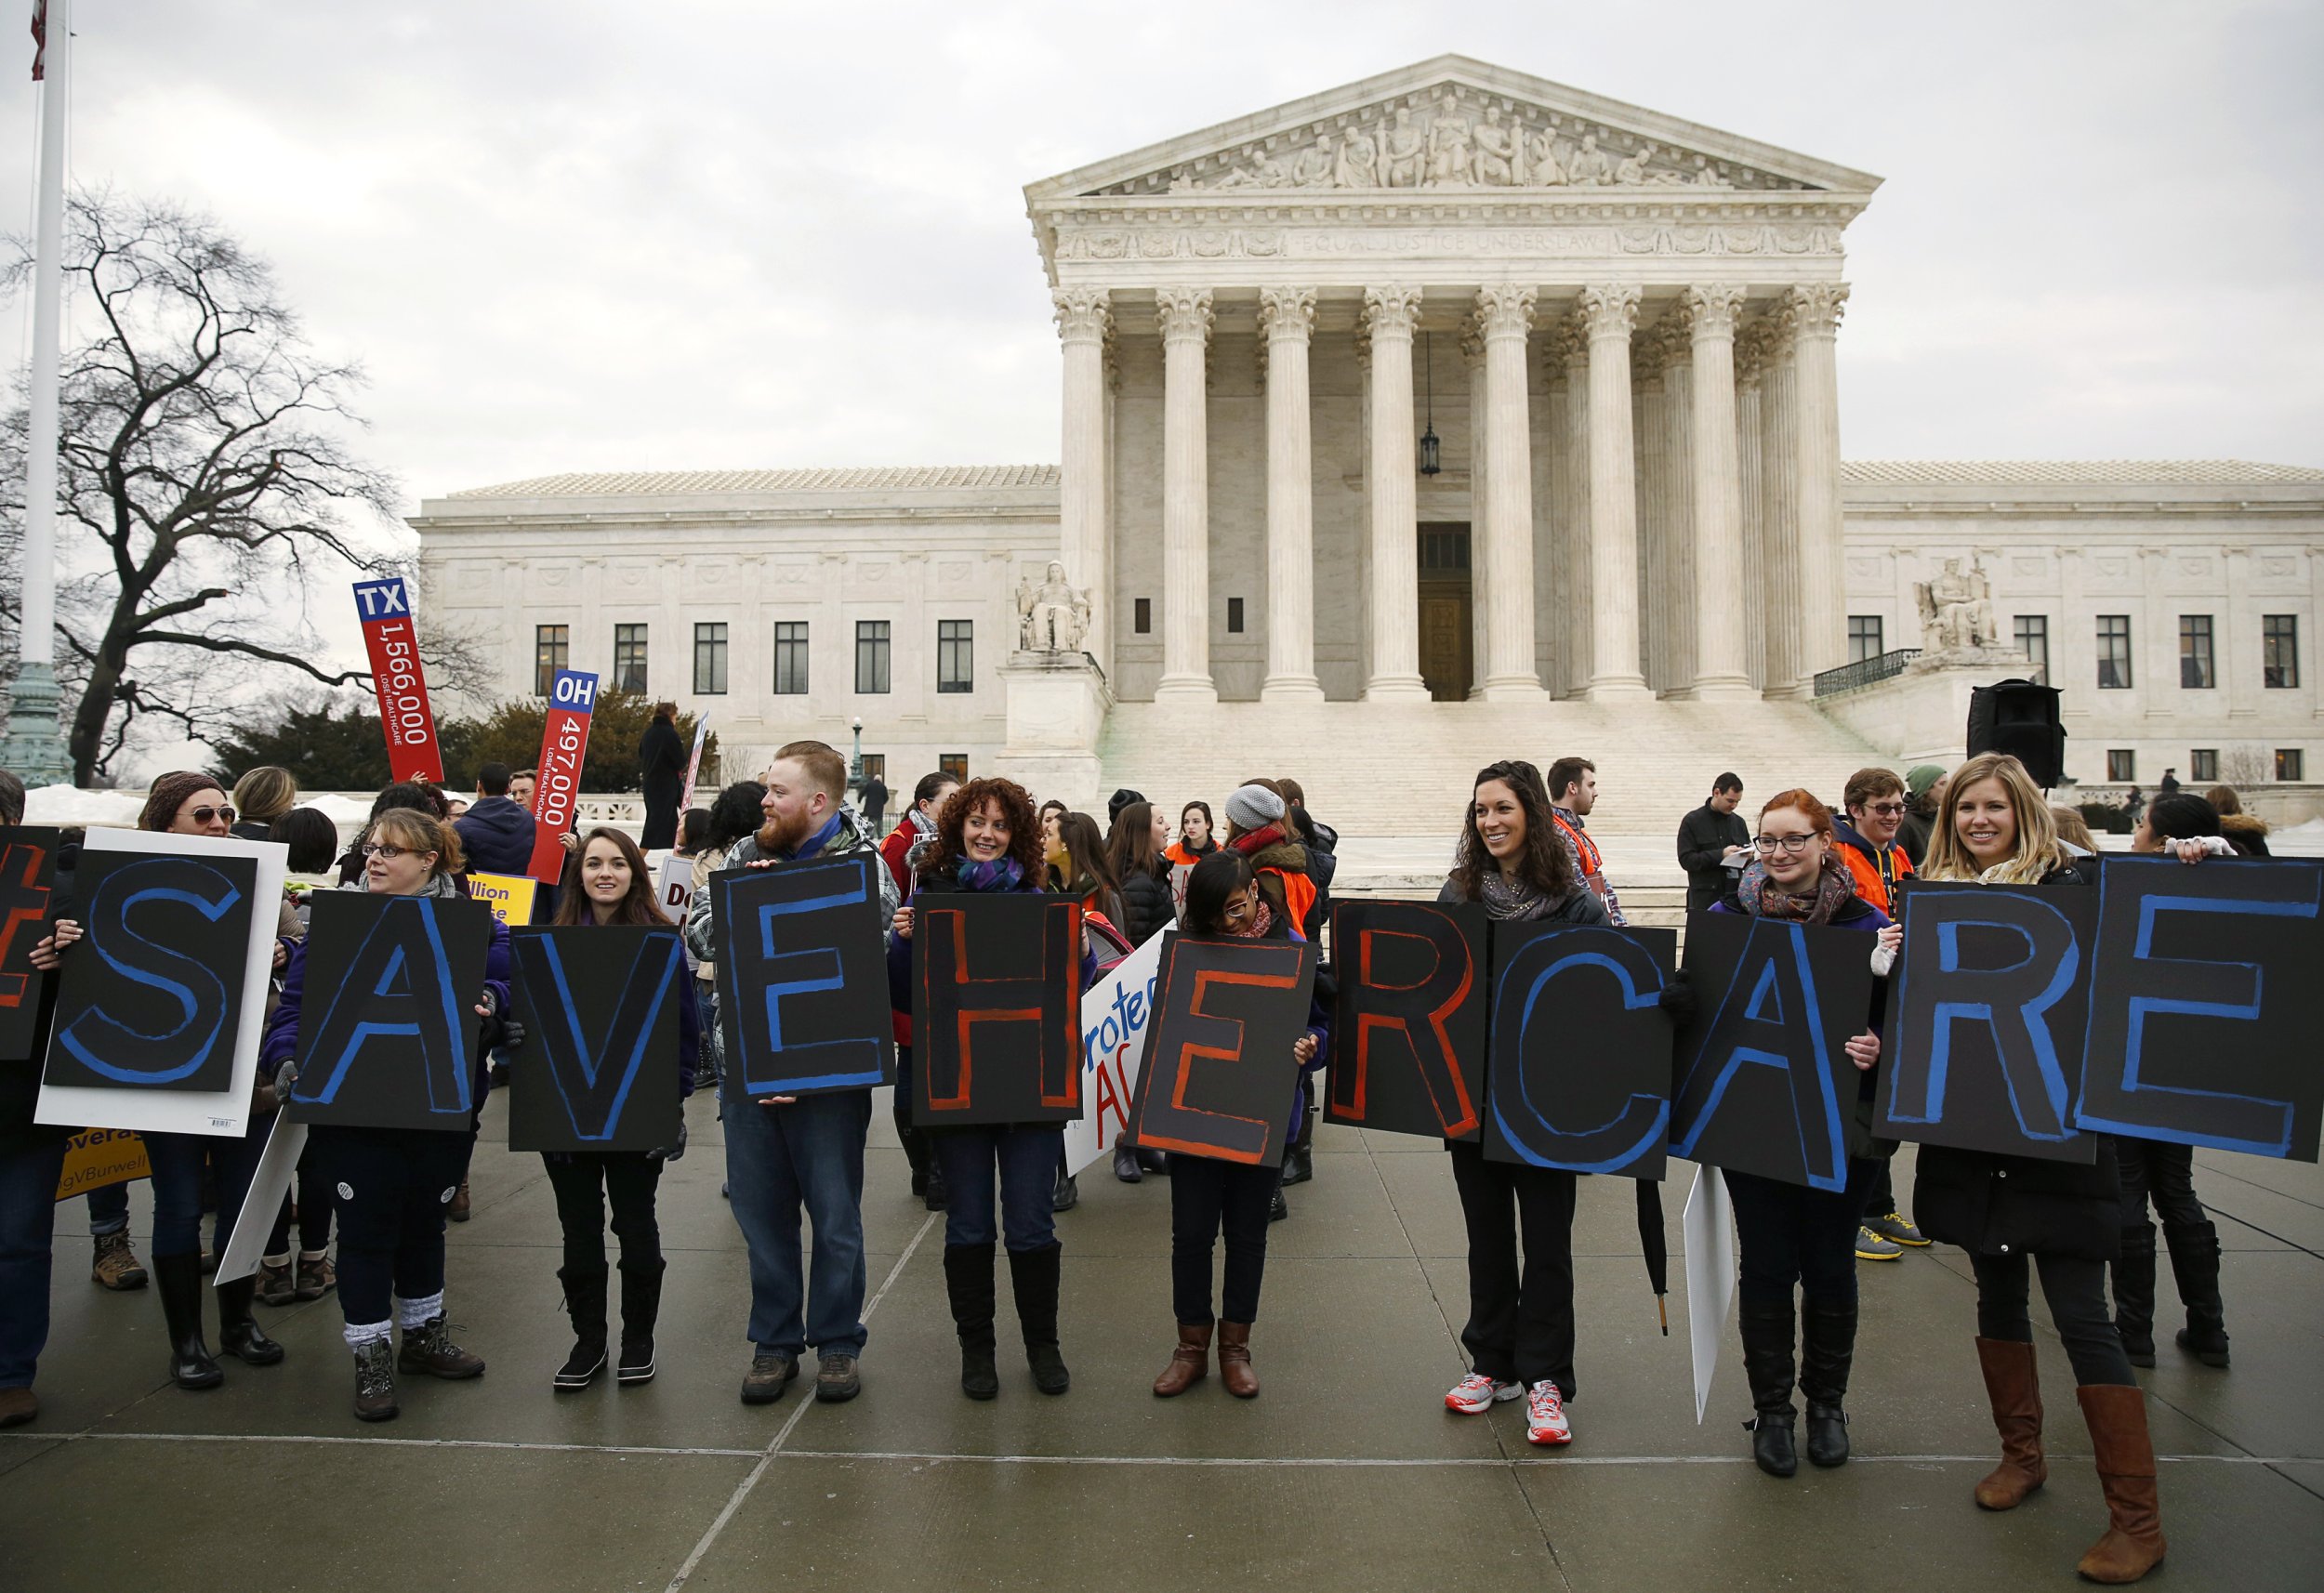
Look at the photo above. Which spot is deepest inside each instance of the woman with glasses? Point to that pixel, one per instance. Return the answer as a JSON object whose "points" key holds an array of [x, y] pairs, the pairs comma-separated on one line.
{"points": [[191, 804], [394, 1184], [1791, 1236]]}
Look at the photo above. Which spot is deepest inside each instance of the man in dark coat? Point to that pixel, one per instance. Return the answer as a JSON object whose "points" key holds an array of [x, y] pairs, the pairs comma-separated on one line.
{"points": [[1708, 837], [662, 776]]}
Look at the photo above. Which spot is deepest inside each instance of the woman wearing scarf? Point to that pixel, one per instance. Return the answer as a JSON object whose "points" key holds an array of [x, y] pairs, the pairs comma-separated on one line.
{"points": [[988, 840], [1209, 1197], [1520, 1334], [2019, 1215], [1792, 1235]]}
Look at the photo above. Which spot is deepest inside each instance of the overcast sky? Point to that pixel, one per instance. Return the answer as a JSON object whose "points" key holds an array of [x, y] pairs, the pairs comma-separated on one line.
{"points": [[574, 234]]}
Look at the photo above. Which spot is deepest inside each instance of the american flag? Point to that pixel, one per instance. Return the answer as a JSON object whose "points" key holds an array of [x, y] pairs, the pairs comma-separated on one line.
{"points": [[40, 38]]}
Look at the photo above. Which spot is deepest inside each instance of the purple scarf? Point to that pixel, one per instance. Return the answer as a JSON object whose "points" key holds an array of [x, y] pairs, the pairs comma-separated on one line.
{"points": [[1002, 874]]}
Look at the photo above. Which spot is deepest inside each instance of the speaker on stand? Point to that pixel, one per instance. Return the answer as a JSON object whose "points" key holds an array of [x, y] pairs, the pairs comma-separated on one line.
{"points": [[2019, 717]]}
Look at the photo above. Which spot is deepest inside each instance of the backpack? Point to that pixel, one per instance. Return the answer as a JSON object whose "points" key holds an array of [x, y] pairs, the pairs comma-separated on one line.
{"points": [[1104, 942]]}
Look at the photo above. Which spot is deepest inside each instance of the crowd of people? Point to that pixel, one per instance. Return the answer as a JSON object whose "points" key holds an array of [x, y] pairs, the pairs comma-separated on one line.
{"points": [[1262, 866]]}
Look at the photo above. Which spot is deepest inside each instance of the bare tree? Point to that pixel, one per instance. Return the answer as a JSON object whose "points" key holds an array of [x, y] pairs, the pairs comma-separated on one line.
{"points": [[2244, 765], [206, 483]]}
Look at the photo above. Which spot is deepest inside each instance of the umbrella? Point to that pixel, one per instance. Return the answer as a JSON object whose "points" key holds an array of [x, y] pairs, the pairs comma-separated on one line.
{"points": [[1657, 1248]]}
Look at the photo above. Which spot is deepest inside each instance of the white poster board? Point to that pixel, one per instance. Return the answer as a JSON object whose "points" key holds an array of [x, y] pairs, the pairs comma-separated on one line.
{"points": [[1117, 1012], [675, 882], [1708, 1232], [225, 1113], [285, 1142]]}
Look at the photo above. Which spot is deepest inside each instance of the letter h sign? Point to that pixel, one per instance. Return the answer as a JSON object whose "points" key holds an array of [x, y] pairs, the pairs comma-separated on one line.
{"points": [[995, 1009]]}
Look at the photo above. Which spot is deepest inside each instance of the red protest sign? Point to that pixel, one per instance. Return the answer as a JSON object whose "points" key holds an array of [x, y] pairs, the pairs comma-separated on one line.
{"points": [[410, 725], [564, 741]]}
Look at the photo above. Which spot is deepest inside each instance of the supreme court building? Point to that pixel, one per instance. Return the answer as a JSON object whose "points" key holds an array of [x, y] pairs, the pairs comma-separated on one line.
{"points": [[1451, 406]]}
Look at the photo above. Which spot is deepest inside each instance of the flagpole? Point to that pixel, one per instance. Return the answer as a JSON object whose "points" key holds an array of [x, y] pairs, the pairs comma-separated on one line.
{"points": [[34, 750]]}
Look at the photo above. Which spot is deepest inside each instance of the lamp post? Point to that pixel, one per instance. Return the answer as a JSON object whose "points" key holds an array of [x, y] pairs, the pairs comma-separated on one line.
{"points": [[855, 760], [1429, 444]]}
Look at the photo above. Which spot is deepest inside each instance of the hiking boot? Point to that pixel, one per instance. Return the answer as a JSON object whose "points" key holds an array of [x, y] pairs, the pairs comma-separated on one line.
{"points": [[317, 1277], [428, 1351], [18, 1407], [767, 1377], [375, 1381], [1478, 1392], [274, 1286], [1545, 1414], [114, 1266], [1896, 1230], [837, 1379], [457, 1210], [1871, 1247]]}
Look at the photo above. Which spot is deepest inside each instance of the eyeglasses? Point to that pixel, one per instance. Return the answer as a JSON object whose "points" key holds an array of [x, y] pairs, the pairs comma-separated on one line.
{"points": [[1792, 844], [386, 853], [204, 815], [1885, 810]]}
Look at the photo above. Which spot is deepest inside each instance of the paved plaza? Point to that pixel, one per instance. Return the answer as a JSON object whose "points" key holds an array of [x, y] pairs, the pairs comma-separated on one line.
{"points": [[1346, 1473]]}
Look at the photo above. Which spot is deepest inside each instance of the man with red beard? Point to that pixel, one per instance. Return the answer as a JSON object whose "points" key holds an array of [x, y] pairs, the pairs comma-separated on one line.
{"points": [[786, 1152]]}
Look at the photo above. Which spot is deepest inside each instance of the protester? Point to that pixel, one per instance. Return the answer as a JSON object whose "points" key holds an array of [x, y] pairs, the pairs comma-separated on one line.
{"points": [[1711, 838], [734, 814], [1256, 828], [404, 794], [2074, 830], [497, 832], [190, 804], [32, 1161], [1790, 1234], [693, 834], [616, 887], [786, 1152], [1196, 840], [1573, 783], [1211, 1198], [661, 777], [989, 842], [394, 1184], [2247, 831], [1314, 834], [1923, 796], [1866, 842], [520, 787], [1520, 1333], [2164, 1173], [2017, 1214], [262, 795], [1078, 867], [915, 831], [309, 840], [1133, 855], [1123, 796]]}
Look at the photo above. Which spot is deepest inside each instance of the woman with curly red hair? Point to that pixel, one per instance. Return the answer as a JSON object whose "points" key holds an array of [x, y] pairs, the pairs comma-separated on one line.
{"points": [[988, 839]]}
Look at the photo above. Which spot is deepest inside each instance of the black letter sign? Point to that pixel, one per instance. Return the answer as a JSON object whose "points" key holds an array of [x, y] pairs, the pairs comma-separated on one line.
{"points": [[1410, 1018]]}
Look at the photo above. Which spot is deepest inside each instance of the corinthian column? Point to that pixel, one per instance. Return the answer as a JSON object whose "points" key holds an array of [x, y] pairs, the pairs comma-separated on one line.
{"points": [[1751, 360], [1287, 317], [1569, 490], [1083, 320], [1504, 315], [1779, 517], [1610, 311], [1814, 313], [1480, 501], [1389, 314], [1721, 651], [1185, 316]]}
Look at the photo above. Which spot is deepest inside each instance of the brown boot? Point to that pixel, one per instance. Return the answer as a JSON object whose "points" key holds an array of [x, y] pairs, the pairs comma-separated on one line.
{"points": [[428, 1351], [1190, 1363], [1235, 1359], [115, 1265], [2134, 1542], [457, 1209], [2011, 1382], [18, 1407]]}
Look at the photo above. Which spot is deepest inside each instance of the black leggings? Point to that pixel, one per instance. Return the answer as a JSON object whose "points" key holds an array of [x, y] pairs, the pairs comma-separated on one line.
{"points": [[314, 1212], [1210, 1197], [1521, 1319], [2076, 1288], [628, 1180], [2165, 1175]]}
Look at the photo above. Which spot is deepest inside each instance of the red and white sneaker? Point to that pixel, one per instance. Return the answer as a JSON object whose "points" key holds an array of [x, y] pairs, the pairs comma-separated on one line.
{"points": [[1545, 1414], [1478, 1392]]}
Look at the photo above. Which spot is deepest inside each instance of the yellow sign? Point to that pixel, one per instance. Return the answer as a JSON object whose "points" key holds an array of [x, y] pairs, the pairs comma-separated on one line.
{"points": [[101, 1156], [508, 895]]}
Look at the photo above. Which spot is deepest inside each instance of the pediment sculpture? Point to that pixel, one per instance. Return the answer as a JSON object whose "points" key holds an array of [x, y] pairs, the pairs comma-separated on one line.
{"points": [[1052, 616]]}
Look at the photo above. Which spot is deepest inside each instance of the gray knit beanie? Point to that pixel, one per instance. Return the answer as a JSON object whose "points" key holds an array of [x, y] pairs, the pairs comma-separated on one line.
{"points": [[1253, 808]]}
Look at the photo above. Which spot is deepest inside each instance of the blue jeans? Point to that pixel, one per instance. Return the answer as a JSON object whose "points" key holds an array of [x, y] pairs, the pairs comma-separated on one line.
{"points": [[779, 1158], [1027, 1161], [28, 1215], [177, 1161], [108, 1210]]}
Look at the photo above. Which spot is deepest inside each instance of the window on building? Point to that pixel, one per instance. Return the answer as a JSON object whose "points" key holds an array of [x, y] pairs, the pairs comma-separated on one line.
{"points": [[954, 766], [871, 656], [629, 658], [2033, 640], [2114, 652], [2291, 763], [1864, 637], [956, 655], [552, 647], [2195, 658], [1143, 623], [2202, 765], [2121, 764], [1235, 615], [790, 658], [710, 659], [2279, 651]]}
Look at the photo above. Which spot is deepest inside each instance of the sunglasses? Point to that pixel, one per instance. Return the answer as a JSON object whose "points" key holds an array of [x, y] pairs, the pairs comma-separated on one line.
{"points": [[204, 815]]}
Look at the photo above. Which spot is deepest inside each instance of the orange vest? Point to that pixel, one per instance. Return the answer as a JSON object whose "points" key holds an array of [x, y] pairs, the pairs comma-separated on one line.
{"points": [[1871, 882]]}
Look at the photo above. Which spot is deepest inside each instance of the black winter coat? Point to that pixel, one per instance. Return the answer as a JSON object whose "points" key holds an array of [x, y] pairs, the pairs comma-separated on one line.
{"points": [[662, 779], [1703, 835], [2013, 1205], [1146, 903]]}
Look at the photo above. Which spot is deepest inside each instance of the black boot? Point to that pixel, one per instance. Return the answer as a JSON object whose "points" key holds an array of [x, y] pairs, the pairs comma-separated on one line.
{"points": [[2194, 1263], [178, 1279], [1298, 1164], [936, 1195], [1767, 1338], [1033, 1276], [969, 1286], [640, 1306], [1126, 1166], [1067, 1192], [1828, 1348], [238, 1333], [585, 1303], [2134, 1295]]}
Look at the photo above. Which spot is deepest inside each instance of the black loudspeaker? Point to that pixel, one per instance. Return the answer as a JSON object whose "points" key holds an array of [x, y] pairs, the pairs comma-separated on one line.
{"points": [[2020, 719]]}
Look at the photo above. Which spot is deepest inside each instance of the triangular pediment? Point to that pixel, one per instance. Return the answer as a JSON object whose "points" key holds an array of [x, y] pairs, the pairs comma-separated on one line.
{"points": [[1452, 125]]}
